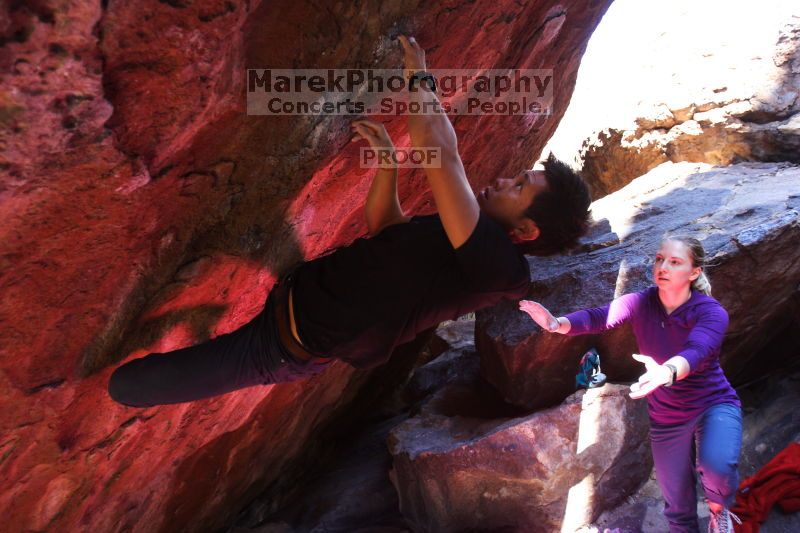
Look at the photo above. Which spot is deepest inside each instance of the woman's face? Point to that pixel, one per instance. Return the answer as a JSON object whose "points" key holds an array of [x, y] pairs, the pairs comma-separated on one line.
{"points": [[673, 268]]}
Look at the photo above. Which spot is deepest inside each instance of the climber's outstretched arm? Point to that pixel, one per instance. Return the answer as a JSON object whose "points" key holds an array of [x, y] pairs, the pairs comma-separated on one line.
{"points": [[458, 208], [382, 207]]}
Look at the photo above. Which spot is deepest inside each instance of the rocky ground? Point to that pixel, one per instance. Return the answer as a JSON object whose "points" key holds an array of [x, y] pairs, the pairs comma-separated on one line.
{"points": [[771, 421], [355, 492]]}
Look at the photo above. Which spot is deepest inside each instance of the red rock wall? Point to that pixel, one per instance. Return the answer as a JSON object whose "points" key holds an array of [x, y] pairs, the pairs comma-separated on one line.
{"points": [[142, 210]]}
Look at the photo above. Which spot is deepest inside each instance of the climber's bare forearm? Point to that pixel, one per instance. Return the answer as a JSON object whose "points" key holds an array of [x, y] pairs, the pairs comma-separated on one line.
{"points": [[452, 193], [431, 128], [382, 207], [455, 201]]}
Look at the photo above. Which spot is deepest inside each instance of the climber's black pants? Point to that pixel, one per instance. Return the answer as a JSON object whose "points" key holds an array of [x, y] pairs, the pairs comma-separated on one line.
{"points": [[251, 355]]}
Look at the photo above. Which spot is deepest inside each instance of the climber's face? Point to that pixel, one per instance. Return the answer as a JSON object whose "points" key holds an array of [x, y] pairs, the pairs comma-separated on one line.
{"points": [[507, 199]]}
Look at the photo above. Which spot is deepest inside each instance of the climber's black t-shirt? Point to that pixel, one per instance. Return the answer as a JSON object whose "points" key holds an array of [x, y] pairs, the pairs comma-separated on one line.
{"points": [[362, 300]]}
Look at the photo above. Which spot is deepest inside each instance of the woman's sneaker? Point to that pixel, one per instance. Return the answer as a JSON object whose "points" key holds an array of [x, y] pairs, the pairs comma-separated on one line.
{"points": [[722, 522]]}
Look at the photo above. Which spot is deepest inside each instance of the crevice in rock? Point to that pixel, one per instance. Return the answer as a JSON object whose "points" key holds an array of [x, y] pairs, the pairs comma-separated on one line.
{"points": [[45, 386]]}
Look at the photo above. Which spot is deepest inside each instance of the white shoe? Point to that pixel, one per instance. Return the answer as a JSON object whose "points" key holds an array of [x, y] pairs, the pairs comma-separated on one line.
{"points": [[722, 522]]}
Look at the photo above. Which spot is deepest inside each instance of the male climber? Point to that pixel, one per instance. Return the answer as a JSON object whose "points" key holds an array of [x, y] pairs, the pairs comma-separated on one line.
{"points": [[360, 301]]}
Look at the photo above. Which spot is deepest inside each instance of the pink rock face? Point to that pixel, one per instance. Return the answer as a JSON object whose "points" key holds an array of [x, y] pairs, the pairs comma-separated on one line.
{"points": [[142, 210]]}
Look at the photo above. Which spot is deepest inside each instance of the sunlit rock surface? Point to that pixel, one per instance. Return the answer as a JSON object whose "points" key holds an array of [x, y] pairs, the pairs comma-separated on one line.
{"points": [[691, 82], [142, 210], [748, 218], [556, 469]]}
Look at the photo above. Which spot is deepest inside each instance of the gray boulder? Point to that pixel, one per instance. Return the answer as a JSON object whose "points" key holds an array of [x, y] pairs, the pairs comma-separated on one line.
{"points": [[748, 218]]}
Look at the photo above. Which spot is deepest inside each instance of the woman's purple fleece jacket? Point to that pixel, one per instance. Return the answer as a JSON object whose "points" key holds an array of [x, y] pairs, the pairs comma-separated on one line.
{"points": [[694, 330]]}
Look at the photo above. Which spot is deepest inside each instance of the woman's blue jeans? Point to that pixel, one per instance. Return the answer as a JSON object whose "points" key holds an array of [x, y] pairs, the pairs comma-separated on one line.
{"points": [[708, 445]]}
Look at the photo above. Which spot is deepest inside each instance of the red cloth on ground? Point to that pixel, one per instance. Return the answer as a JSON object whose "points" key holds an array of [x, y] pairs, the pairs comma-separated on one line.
{"points": [[777, 483]]}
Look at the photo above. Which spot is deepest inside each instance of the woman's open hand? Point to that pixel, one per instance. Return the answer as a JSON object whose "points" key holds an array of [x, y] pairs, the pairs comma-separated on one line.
{"points": [[655, 376], [539, 314]]}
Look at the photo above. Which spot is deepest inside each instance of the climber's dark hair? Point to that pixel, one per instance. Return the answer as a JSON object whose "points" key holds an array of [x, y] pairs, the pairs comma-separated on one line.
{"points": [[561, 211]]}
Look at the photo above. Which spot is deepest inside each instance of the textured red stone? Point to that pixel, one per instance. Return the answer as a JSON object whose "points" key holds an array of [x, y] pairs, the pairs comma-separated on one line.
{"points": [[141, 209]]}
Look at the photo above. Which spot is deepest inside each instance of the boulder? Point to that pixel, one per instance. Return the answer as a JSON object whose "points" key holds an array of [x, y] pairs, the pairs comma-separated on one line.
{"points": [[457, 364], [457, 467], [748, 218]]}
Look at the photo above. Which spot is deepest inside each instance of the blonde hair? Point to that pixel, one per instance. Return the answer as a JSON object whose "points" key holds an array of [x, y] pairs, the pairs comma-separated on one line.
{"points": [[697, 255]]}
